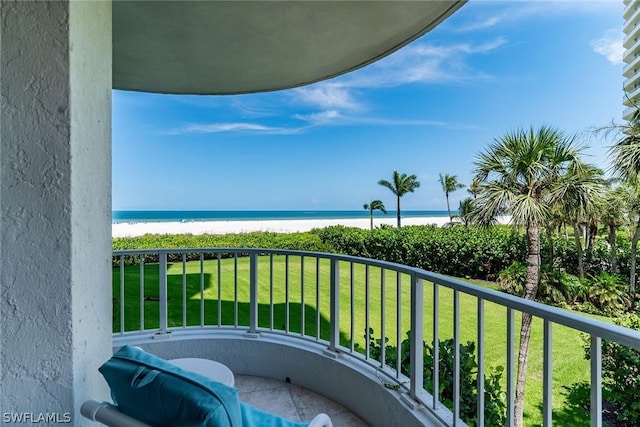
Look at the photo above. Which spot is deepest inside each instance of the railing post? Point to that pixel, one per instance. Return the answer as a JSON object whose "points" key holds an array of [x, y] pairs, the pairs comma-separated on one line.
{"points": [[511, 391], [480, 377], [596, 381], [547, 373], [456, 357], [122, 267], [253, 294], [334, 308], [162, 284], [417, 337]]}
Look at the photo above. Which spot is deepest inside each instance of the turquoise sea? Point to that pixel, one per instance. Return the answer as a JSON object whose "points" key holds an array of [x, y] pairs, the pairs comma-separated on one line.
{"points": [[188, 216]]}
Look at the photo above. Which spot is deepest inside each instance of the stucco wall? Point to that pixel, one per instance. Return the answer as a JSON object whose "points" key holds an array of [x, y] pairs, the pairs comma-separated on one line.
{"points": [[55, 173]]}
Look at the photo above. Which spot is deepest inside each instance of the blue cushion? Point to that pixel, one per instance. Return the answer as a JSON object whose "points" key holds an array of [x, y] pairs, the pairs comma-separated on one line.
{"points": [[159, 393], [255, 417]]}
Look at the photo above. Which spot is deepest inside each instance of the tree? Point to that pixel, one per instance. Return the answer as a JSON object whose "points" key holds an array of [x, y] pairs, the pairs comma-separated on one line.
{"points": [[372, 206], [630, 193], [400, 185], [466, 209], [625, 160], [612, 217], [625, 152], [474, 188], [579, 192], [449, 185], [520, 172]]}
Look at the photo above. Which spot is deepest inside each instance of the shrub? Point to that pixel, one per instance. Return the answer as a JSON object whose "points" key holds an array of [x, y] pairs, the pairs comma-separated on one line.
{"points": [[608, 293], [495, 403], [558, 288], [268, 240], [471, 252], [513, 278], [555, 287]]}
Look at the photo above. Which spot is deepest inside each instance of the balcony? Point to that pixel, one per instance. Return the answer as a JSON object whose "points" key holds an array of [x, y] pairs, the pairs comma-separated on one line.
{"points": [[313, 319], [627, 113], [632, 67], [632, 31], [630, 9]]}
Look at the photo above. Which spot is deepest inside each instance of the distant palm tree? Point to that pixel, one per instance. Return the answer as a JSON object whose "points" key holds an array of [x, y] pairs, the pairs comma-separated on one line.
{"points": [[449, 185], [521, 171], [400, 185], [466, 209], [474, 188], [374, 205]]}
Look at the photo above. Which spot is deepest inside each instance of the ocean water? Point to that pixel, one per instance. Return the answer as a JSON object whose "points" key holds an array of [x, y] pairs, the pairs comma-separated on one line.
{"points": [[188, 216]]}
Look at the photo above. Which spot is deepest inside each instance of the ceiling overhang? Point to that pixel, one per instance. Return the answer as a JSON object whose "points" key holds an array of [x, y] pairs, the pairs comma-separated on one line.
{"points": [[232, 47]]}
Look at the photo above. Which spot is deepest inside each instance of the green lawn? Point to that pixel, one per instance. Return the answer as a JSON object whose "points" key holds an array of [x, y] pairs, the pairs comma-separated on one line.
{"points": [[569, 364]]}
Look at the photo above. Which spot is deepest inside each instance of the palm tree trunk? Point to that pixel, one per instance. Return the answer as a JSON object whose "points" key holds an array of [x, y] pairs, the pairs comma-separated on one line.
{"points": [[576, 236], [398, 212], [531, 290], [448, 208], [371, 216], [550, 246], [593, 232], [632, 268], [613, 251]]}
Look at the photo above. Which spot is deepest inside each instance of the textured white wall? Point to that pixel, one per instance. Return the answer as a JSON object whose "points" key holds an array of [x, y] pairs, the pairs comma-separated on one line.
{"points": [[91, 295], [55, 174]]}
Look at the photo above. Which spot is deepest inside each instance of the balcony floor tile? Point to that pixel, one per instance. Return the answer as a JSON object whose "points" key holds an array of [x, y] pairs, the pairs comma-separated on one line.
{"points": [[292, 402]]}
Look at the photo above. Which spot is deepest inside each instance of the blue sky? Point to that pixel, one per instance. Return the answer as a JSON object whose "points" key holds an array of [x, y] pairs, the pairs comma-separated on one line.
{"points": [[429, 108]]}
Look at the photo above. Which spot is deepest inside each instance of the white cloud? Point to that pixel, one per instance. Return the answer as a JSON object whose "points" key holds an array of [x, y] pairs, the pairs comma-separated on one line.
{"points": [[610, 46], [326, 95], [322, 117], [233, 127], [424, 63]]}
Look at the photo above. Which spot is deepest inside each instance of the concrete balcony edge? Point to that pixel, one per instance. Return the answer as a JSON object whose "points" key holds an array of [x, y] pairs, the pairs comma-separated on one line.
{"points": [[342, 378]]}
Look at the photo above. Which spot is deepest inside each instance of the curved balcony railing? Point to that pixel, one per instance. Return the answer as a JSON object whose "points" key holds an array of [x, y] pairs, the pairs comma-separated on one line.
{"points": [[340, 301]]}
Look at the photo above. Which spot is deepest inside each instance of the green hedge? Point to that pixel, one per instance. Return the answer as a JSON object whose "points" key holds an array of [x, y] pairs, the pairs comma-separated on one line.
{"points": [[471, 252], [267, 240], [293, 241]]}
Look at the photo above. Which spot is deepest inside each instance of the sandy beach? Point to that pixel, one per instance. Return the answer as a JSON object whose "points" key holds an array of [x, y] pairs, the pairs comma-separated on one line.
{"points": [[278, 226]]}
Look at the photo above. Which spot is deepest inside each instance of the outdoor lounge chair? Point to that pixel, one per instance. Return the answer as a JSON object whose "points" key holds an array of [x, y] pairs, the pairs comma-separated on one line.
{"points": [[150, 391]]}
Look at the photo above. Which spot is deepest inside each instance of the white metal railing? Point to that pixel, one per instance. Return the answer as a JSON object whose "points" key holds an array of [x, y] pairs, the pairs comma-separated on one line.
{"points": [[322, 289]]}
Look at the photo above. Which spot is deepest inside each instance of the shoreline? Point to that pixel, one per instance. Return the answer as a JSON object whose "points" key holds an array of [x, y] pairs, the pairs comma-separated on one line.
{"points": [[247, 226]]}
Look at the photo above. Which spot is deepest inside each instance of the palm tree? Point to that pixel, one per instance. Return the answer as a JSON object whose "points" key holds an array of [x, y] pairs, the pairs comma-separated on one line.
{"points": [[579, 192], [474, 188], [466, 208], [375, 204], [630, 192], [449, 185], [625, 153], [400, 185], [625, 159], [612, 218], [520, 173]]}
